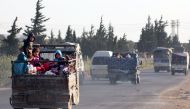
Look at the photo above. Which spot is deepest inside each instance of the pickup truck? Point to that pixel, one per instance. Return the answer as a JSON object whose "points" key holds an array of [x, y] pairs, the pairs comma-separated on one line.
{"points": [[123, 69], [47, 91]]}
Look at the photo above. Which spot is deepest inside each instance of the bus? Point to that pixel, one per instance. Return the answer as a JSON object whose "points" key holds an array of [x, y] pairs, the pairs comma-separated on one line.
{"points": [[162, 59]]}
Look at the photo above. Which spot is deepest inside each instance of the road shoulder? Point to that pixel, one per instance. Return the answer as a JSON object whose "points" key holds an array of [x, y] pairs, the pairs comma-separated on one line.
{"points": [[177, 97]]}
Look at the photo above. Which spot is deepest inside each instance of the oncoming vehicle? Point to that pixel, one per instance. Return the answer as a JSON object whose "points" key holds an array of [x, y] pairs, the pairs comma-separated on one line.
{"points": [[47, 91], [180, 63], [99, 64], [124, 69], [162, 59]]}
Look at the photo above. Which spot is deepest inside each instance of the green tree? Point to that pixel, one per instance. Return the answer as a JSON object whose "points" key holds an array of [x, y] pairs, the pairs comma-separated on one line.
{"points": [[11, 43], [84, 43], [122, 45], [170, 41], [110, 36], [90, 41], [74, 37], [52, 39], [100, 37], [38, 27], [160, 34], [176, 44], [59, 37], [153, 35], [176, 41], [147, 40], [69, 35]]}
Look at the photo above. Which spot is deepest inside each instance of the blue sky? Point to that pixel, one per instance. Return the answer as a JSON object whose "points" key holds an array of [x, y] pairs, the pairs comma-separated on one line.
{"points": [[127, 16]]}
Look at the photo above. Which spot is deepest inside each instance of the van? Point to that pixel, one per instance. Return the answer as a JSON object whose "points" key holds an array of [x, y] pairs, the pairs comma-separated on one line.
{"points": [[180, 63], [99, 66]]}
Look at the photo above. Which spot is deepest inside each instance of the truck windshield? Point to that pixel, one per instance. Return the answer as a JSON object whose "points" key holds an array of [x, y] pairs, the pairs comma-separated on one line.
{"points": [[100, 60], [161, 54], [179, 60]]}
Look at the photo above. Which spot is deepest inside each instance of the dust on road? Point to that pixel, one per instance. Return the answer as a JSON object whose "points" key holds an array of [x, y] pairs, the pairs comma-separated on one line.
{"points": [[177, 97]]}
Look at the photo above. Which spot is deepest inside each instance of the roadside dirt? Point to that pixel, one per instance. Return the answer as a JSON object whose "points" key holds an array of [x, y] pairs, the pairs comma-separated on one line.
{"points": [[177, 97]]}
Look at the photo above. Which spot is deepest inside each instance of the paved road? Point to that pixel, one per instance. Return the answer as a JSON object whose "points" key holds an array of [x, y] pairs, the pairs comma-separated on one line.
{"points": [[124, 95]]}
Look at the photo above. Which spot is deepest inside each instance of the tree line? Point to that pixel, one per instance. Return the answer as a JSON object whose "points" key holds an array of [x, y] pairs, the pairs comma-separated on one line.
{"points": [[103, 38], [154, 35], [90, 41]]}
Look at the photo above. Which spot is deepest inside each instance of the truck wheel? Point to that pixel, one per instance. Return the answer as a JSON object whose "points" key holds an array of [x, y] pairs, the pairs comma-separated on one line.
{"points": [[112, 80], [93, 78], [156, 70], [173, 72], [185, 73], [138, 79], [133, 81], [168, 70], [70, 104]]}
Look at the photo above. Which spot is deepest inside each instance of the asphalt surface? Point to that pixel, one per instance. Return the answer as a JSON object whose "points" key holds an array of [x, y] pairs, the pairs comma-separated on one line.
{"points": [[124, 95]]}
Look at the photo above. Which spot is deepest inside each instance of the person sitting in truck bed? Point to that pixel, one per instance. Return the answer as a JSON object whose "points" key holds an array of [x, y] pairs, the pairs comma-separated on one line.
{"points": [[58, 65], [58, 56], [28, 43], [20, 65], [36, 58], [34, 61]]}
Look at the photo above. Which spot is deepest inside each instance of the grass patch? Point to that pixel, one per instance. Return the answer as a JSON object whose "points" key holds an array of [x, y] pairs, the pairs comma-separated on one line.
{"points": [[147, 63], [5, 69], [87, 65]]}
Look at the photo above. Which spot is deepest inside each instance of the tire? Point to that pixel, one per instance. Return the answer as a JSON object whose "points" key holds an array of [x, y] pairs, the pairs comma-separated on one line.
{"points": [[185, 73], [173, 72], [135, 80], [168, 70], [93, 78], [138, 79], [156, 70], [70, 105], [112, 80]]}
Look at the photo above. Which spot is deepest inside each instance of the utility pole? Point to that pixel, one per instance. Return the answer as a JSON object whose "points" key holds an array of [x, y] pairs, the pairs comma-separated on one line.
{"points": [[177, 23], [173, 25]]}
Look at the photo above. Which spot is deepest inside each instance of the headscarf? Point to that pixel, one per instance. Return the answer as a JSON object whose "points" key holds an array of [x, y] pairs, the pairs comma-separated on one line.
{"points": [[60, 53]]}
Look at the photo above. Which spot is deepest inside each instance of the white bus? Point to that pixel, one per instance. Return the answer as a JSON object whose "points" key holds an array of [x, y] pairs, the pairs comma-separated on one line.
{"points": [[162, 59]]}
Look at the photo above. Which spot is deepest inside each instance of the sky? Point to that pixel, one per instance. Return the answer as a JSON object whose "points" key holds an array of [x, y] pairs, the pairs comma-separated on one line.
{"points": [[126, 16]]}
